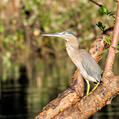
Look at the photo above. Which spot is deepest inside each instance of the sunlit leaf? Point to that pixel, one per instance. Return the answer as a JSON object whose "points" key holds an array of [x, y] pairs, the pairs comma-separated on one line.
{"points": [[107, 39], [118, 46], [104, 10], [111, 34]]}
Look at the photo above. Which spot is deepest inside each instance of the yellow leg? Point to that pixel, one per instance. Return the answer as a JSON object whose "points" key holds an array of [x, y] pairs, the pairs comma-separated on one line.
{"points": [[88, 87], [95, 86]]}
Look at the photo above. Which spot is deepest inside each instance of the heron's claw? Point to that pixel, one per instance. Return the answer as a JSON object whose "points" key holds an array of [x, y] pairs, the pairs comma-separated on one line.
{"points": [[95, 86], [88, 88]]}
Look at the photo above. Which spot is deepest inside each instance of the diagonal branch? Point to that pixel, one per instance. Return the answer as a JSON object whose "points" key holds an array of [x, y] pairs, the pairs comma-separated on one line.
{"points": [[95, 3], [114, 42], [94, 102]]}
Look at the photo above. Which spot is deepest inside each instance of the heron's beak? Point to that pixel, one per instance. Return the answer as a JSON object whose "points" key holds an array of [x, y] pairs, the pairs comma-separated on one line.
{"points": [[52, 34]]}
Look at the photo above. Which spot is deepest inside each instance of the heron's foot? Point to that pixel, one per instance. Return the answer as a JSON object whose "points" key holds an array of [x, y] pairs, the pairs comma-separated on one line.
{"points": [[95, 87]]}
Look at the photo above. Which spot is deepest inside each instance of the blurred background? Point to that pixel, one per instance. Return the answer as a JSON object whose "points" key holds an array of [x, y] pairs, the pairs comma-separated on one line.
{"points": [[33, 69]]}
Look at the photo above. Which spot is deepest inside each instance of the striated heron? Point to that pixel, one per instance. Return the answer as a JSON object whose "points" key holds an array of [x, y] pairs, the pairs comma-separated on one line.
{"points": [[86, 64]]}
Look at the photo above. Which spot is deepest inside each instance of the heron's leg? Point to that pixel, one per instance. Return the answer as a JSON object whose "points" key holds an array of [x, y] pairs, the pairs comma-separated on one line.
{"points": [[88, 87], [95, 86]]}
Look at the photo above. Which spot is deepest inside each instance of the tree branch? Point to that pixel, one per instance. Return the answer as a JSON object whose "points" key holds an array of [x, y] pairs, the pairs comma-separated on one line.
{"points": [[70, 96], [95, 3], [95, 101], [114, 42]]}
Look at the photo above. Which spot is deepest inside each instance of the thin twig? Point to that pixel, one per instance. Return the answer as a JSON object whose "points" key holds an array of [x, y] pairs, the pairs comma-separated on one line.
{"points": [[95, 3], [110, 14]]}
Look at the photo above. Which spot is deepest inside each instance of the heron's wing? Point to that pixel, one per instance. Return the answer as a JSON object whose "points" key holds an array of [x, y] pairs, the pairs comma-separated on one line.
{"points": [[90, 65]]}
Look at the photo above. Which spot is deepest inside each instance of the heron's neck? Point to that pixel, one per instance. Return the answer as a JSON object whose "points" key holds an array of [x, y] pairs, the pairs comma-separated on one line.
{"points": [[72, 45], [72, 48]]}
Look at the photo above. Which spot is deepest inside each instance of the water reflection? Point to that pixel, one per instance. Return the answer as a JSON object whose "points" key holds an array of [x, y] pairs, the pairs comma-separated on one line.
{"points": [[13, 103], [24, 99]]}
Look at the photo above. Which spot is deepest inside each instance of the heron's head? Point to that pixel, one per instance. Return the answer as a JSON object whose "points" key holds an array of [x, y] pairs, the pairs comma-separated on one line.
{"points": [[67, 35]]}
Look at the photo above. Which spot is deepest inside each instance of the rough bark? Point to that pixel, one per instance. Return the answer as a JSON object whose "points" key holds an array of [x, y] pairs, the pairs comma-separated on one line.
{"points": [[95, 101]]}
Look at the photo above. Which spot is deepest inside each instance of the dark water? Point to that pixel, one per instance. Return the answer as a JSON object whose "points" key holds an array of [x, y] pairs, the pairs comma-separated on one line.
{"points": [[24, 98], [23, 102]]}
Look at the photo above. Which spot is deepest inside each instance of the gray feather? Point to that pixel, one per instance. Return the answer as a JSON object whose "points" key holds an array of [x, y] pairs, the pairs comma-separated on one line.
{"points": [[90, 65]]}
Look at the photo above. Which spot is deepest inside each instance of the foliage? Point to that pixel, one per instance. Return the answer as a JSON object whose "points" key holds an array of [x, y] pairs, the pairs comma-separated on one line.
{"points": [[104, 10], [108, 40], [21, 27], [101, 26]]}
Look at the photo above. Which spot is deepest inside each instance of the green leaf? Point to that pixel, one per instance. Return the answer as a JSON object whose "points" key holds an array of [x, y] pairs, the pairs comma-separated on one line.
{"points": [[111, 34], [118, 46], [107, 39], [101, 26], [104, 10]]}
